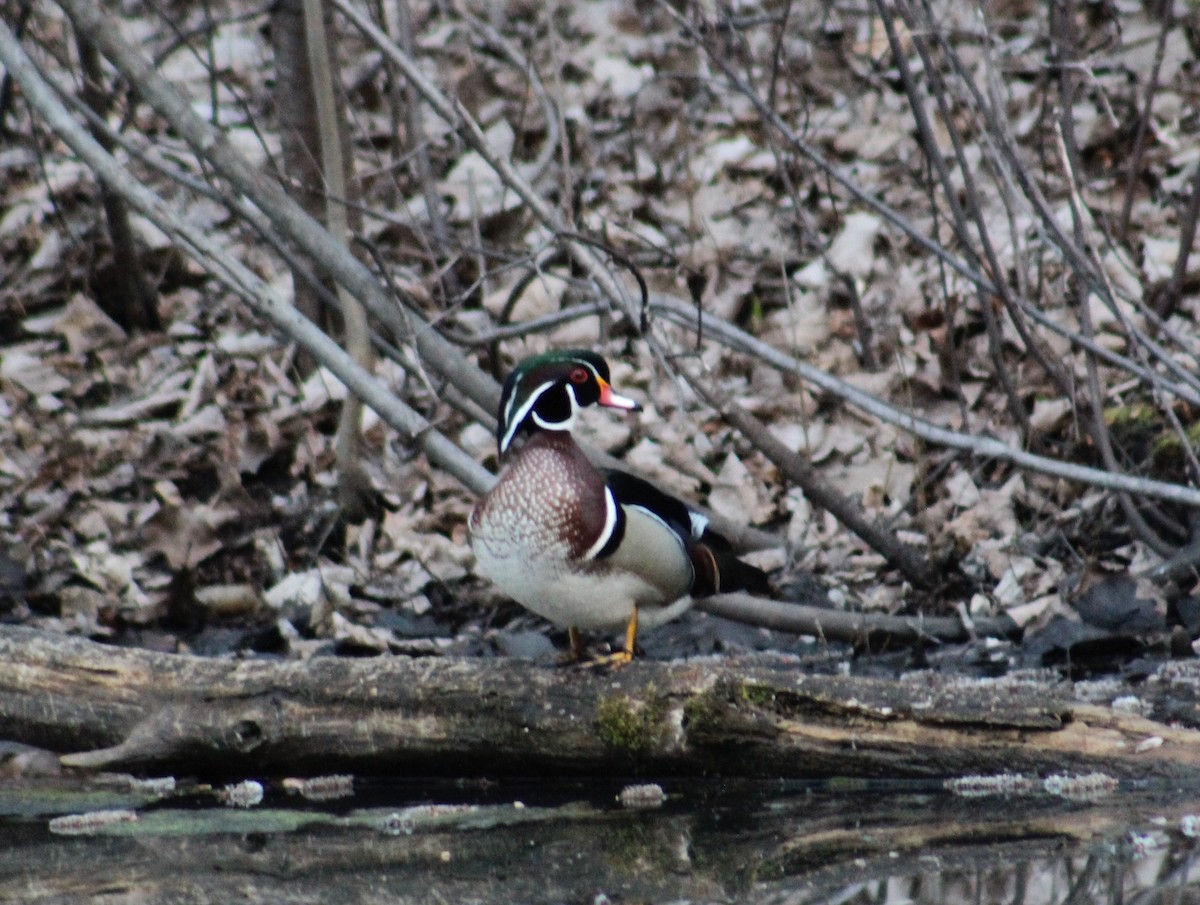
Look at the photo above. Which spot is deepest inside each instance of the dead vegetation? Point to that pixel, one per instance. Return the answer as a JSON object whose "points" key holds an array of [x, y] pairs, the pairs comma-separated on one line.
{"points": [[921, 269]]}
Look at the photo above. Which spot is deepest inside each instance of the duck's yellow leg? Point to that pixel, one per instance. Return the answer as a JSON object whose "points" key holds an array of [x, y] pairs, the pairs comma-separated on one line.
{"points": [[625, 655], [631, 636], [578, 651]]}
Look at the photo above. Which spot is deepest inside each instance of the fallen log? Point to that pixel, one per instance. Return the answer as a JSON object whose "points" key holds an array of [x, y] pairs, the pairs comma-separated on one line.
{"points": [[103, 707]]}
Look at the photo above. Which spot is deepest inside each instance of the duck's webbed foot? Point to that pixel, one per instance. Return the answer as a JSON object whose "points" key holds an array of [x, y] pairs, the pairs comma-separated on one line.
{"points": [[578, 652], [619, 657]]}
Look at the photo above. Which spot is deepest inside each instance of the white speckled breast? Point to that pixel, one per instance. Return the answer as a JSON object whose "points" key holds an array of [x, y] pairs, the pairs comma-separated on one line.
{"points": [[537, 508], [530, 532]]}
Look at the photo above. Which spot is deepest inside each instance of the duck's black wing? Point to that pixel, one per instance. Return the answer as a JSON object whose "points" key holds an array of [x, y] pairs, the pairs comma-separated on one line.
{"points": [[717, 568]]}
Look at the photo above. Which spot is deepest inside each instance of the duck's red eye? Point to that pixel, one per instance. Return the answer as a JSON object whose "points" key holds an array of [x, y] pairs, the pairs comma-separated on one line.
{"points": [[579, 375]]}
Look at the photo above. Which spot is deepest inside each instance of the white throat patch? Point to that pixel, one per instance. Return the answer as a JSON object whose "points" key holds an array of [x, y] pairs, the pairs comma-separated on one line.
{"points": [[514, 420]]}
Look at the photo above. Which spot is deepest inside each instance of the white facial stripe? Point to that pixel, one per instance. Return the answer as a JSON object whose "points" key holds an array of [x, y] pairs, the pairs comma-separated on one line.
{"points": [[610, 523], [514, 423], [567, 425], [508, 408], [524, 411], [553, 425], [595, 373]]}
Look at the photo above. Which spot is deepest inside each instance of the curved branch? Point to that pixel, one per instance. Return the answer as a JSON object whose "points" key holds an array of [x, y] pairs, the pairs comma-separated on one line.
{"points": [[874, 631], [283, 211], [984, 447], [235, 275], [915, 567]]}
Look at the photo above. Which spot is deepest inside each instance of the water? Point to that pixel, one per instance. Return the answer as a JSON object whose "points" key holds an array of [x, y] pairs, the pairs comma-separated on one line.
{"points": [[570, 841]]}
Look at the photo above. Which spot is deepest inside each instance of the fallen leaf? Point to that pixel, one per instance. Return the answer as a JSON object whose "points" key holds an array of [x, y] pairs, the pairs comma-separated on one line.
{"points": [[31, 373], [736, 495], [853, 250], [187, 535], [86, 327]]}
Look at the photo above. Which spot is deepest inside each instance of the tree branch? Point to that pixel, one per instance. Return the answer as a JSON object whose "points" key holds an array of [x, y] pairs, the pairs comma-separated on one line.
{"points": [[236, 276]]}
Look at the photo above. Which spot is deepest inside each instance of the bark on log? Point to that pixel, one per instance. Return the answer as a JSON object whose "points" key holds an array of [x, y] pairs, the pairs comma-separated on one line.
{"points": [[133, 709]]}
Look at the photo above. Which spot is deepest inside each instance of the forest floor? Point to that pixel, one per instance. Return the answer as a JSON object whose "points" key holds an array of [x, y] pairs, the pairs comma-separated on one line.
{"points": [[175, 488]]}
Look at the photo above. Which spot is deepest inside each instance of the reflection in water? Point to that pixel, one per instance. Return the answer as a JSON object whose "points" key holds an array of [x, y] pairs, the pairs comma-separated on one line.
{"points": [[562, 842]]}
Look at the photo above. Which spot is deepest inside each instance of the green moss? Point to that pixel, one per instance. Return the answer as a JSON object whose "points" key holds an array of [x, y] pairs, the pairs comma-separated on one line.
{"points": [[1147, 435], [711, 709], [848, 784], [702, 711], [758, 695], [630, 725], [640, 847], [1167, 450], [757, 311], [1134, 415]]}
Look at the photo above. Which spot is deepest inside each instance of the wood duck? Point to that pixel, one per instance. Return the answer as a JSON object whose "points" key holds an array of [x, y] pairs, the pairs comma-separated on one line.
{"points": [[582, 547]]}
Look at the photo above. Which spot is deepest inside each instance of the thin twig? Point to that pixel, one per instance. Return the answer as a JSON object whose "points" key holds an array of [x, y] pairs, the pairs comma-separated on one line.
{"points": [[1134, 165], [682, 314], [1076, 258], [285, 214], [456, 115], [519, 61], [234, 275], [915, 567], [959, 216], [1063, 44], [1165, 305], [423, 166]]}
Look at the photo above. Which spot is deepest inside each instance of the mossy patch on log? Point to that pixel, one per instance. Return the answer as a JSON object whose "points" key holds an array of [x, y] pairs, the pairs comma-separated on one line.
{"points": [[630, 725]]}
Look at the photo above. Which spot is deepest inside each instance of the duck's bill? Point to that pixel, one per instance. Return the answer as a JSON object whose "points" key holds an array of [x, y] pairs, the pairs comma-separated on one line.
{"points": [[615, 400]]}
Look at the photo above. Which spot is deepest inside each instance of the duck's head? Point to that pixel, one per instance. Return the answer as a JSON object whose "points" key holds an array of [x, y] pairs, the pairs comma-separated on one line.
{"points": [[545, 392]]}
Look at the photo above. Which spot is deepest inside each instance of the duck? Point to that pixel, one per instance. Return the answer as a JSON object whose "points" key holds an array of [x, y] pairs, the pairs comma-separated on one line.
{"points": [[583, 547]]}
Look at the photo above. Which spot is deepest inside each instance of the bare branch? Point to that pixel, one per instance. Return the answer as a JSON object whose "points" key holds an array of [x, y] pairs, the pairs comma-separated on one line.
{"points": [[235, 276], [284, 213], [456, 115], [984, 447], [916, 568], [873, 631]]}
